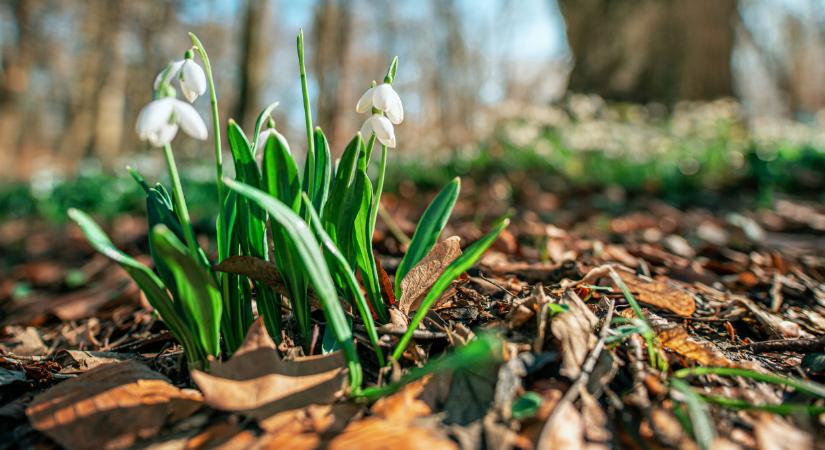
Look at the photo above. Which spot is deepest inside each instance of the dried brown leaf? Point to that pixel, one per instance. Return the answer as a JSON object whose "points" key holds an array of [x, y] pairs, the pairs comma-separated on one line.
{"points": [[420, 278], [110, 407], [254, 268], [257, 382], [395, 424], [677, 340], [574, 331], [659, 294]]}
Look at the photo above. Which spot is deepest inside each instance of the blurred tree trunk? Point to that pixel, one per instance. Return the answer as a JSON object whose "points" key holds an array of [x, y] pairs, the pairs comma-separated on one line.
{"points": [[254, 59], [15, 73], [651, 50], [332, 27], [455, 87]]}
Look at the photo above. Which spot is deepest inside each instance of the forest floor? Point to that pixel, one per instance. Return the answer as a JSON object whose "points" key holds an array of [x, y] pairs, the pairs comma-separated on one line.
{"points": [[568, 363]]}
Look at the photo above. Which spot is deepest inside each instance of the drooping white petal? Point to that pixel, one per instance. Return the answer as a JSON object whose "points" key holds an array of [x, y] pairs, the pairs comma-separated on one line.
{"points": [[383, 129], [173, 70], [365, 102], [366, 128], [153, 117], [387, 100], [189, 120], [192, 80], [164, 135]]}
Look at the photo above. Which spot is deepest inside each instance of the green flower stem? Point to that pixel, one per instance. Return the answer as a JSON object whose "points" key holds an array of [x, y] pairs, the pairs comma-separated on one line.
{"points": [[807, 387], [305, 93], [180, 201], [213, 104], [379, 189]]}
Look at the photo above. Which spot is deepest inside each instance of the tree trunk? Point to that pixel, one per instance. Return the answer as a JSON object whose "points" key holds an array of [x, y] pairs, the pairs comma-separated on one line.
{"points": [[651, 50]]}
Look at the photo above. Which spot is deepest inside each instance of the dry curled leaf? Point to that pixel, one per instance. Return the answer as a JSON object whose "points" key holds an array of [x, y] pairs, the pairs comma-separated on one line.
{"points": [[257, 382], [395, 425], [420, 278], [677, 340], [110, 407], [574, 331], [659, 294]]}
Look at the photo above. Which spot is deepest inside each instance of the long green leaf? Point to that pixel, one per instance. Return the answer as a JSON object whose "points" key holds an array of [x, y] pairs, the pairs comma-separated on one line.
{"points": [[315, 267], [429, 227], [456, 268], [338, 265], [146, 280], [197, 291], [807, 387]]}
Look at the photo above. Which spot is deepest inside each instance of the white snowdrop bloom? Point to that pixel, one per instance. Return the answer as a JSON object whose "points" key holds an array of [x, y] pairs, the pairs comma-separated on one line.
{"points": [[383, 98], [190, 76], [382, 127], [158, 121]]}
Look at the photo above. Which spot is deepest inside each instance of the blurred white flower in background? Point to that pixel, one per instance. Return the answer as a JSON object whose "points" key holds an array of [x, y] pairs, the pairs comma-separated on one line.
{"points": [[158, 122]]}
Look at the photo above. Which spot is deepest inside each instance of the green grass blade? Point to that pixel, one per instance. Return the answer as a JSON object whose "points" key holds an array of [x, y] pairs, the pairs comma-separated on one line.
{"points": [[807, 387], [703, 429], [784, 409], [456, 268], [320, 176], [314, 265], [429, 227], [197, 290], [485, 349], [338, 265]]}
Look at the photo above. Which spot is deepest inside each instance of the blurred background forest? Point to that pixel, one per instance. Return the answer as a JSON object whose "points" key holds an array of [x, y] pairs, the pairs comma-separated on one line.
{"points": [[697, 90]]}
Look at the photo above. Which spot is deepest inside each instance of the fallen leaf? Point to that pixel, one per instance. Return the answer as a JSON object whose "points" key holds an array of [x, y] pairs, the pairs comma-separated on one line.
{"points": [[423, 275], [677, 340], [110, 407], [574, 331], [255, 381], [387, 291], [395, 425], [659, 294], [23, 341], [78, 361], [565, 429], [774, 433]]}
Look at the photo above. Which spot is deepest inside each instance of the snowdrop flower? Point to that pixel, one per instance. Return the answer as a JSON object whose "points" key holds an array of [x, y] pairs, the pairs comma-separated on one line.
{"points": [[158, 122], [190, 75], [382, 127], [383, 98]]}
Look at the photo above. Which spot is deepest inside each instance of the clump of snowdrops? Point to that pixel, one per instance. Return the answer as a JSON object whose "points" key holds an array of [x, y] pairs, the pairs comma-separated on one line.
{"points": [[320, 219]]}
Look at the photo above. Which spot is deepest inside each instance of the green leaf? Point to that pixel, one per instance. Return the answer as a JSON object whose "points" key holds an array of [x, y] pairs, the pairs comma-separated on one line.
{"points": [[807, 387], [344, 174], [259, 125], [702, 423], [343, 271], [318, 176], [280, 172], [456, 268], [483, 351], [429, 227], [314, 265], [146, 280], [246, 169], [197, 291], [526, 406], [281, 181]]}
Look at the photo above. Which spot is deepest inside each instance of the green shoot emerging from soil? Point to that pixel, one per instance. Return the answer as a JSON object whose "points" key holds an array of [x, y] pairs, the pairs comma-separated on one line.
{"points": [[318, 221]]}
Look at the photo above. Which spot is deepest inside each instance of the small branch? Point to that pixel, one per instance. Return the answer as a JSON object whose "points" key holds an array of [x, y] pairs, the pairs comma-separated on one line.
{"points": [[785, 345]]}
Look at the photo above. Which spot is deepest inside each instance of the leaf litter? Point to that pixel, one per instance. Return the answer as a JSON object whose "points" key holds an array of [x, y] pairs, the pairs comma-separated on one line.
{"points": [[88, 367]]}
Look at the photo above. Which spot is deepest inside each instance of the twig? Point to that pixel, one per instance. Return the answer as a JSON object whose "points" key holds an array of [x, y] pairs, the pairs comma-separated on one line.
{"points": [[587, 369], [785, 345], [392, 226]]}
